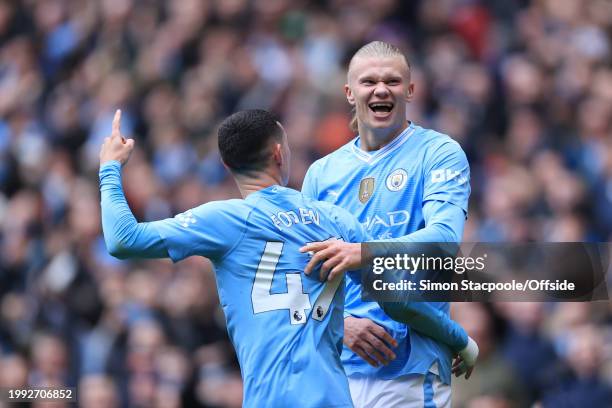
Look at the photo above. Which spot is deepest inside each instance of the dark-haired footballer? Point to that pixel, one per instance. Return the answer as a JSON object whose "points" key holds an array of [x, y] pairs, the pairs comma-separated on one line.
{"points": [[286, 327]]}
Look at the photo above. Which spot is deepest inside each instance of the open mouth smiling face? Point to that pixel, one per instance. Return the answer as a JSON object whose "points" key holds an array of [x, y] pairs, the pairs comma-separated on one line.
{"points": [[381, 109], [379, 88]]}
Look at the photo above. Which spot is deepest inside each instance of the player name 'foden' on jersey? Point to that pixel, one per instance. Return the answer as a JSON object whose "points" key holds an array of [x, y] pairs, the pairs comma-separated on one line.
{"points": [[287, 219]]}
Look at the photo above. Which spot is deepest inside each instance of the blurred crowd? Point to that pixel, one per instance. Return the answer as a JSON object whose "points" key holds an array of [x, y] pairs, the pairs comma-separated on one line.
{"points": [[524, 85]]}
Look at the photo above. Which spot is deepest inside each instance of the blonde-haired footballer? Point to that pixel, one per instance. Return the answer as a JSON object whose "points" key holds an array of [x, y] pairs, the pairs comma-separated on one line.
{"points": [[404, 183]]}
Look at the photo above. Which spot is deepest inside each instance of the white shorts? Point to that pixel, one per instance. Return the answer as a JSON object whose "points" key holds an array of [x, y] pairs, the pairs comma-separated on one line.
{"points": [[410, 391]]}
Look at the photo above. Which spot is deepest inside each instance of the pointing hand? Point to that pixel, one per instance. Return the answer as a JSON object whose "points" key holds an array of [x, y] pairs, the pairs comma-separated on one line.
{"points": [[115, 147]]}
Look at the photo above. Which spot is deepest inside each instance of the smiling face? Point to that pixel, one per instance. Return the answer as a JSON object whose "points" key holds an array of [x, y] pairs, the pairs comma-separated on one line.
{"points": [[379, 89]]}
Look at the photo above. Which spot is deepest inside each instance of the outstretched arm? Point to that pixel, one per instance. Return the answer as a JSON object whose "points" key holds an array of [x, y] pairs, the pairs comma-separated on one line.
{"points": [[123, 235]]}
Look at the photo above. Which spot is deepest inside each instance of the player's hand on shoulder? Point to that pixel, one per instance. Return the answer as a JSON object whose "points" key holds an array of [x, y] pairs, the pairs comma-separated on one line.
{"points": [[115, 147], [337, 257], [369, 341], [466, 360]]}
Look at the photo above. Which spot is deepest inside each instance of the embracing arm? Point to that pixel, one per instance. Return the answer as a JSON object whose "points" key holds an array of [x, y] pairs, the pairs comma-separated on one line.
{"points": [[443, 223], [428, 320]]}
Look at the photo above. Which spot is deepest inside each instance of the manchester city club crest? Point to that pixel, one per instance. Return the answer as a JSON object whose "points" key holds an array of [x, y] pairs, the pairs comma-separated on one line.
{"points": [[397, 180], [366, 188]]}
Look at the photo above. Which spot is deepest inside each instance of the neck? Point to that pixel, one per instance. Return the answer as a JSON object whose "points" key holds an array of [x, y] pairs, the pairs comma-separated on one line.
{"points": [[374, 139], [251, 183]]}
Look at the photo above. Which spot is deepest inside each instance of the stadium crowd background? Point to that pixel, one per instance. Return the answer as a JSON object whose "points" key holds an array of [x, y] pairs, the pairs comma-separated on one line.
{"points": [[524, 86]]}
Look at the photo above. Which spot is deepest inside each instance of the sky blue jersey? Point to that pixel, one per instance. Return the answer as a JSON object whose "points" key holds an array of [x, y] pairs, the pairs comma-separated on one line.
{"points": [[413, 182], [286, 327]]}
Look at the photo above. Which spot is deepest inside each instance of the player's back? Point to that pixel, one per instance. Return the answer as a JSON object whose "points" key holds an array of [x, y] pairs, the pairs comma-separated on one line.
{"points": [[286, 327]]}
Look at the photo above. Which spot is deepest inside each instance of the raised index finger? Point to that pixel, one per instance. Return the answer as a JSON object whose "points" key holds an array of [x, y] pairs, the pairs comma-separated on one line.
{"points": [[117, 123]]}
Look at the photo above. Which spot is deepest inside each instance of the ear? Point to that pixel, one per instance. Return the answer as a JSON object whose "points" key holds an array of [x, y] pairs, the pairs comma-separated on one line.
{"points": [[349, 95], [410, 93], [277, 154]]}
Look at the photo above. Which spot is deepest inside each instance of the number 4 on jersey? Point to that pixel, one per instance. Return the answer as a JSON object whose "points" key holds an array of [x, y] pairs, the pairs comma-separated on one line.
{"points": [[263, 301], [295, 300]]}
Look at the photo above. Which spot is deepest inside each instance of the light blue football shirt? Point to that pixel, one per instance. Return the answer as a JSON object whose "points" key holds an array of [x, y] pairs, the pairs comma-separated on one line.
{"points": [[286, 327], [387, 190]]}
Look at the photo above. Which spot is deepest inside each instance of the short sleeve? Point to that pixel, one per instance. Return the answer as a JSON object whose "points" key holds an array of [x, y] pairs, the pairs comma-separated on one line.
{"points": [[447, 176], [209, 230]]}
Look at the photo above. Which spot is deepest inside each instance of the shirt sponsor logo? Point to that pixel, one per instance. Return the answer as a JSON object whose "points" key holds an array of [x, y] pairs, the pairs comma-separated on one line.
{"points": [[397, 180], [390, 219], [366, 189], [443, 175]]}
